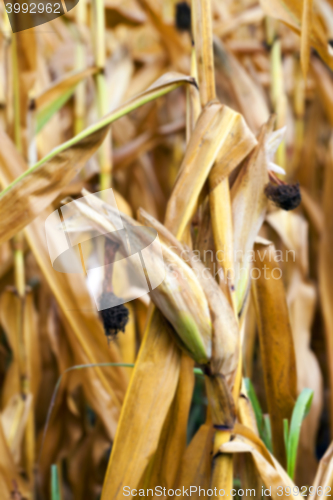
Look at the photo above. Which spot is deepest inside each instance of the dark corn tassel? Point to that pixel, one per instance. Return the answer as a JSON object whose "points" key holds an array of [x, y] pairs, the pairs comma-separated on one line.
{"points": [[285, 196], [114, 318], [183, 16]]}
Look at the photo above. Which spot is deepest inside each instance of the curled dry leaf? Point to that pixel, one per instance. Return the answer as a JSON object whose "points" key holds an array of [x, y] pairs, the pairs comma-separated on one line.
{"points": [[249, 205], [271, 473], [214, 139]]}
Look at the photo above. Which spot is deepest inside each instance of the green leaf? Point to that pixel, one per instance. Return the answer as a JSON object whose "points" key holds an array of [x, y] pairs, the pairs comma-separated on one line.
{"points": [[263, 422], [267, 433], [45, 114], [57, 94], [255, 403], [301, 409], [286, 432], [55, 486]]}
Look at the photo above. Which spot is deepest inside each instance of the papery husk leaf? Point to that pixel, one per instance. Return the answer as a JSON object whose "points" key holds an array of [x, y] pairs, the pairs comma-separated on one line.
{"points": [[179, 296], [225, 354], [163, 233], [183, 302], [225, 329]]}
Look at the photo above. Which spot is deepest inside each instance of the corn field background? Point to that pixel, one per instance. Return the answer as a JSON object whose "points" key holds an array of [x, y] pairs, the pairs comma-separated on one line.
{"points": [[212, 122]]}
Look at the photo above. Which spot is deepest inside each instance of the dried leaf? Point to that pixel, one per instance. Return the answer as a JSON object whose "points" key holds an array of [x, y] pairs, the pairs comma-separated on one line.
{"points": [[276, 345], [249, 205], [35, 189], [291, 14], [147, 403], [216, 133]]}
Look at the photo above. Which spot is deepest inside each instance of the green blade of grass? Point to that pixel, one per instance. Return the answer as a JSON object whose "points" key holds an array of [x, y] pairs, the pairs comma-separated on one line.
{"points": [[55, 486], [255, 403], [301, 409], [45, 114], [263, 422], [57, 94], [267, 433], [286, 432]]}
